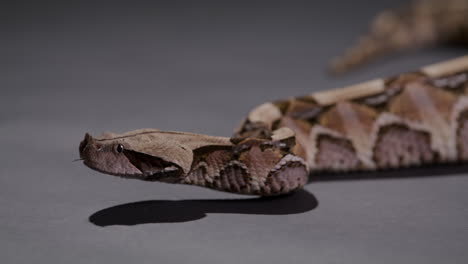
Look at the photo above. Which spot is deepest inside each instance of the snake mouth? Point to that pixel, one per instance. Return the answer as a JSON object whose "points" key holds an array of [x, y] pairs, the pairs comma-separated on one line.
{"points": [[137, 175], [154, 168], [170, 174]]}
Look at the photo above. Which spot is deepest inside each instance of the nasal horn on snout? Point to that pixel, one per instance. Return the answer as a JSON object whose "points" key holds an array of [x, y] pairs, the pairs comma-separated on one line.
{"points": [[88, 139]]}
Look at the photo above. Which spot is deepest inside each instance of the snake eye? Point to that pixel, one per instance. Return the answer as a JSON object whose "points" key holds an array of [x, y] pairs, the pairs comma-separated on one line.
{"points": [[119, 148]]}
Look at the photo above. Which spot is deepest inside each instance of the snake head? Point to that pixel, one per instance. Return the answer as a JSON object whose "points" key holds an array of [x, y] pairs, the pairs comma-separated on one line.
{"points": [[116, 156], [145, 154]]}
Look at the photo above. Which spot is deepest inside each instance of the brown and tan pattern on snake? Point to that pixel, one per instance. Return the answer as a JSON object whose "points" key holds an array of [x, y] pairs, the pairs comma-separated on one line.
{"points": [[409, 120]]}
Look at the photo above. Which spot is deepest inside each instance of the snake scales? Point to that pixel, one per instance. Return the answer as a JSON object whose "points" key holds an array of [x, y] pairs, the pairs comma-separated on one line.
{"points": [[411, 119]]}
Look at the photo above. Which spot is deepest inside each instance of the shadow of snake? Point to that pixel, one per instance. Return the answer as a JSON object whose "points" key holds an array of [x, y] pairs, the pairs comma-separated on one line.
{"points": [[301, 201], [167, 211]]}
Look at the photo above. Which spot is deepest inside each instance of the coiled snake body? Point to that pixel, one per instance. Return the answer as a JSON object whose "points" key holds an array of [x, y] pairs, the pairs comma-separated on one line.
{"points": [[412, 119]]}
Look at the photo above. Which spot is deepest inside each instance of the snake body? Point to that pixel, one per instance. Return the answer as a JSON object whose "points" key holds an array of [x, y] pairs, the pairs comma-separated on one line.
{"points": [[411, 119]]}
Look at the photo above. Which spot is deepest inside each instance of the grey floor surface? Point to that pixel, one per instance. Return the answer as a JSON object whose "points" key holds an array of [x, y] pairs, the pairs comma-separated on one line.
{"points": [[67, 69]]}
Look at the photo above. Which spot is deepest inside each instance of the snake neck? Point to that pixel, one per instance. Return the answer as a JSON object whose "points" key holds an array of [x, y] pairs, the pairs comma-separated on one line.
{"points": [[253, 166]]}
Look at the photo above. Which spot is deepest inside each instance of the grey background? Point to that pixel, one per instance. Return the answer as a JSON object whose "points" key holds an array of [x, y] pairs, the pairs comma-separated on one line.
{"points": [[67, 69]]}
